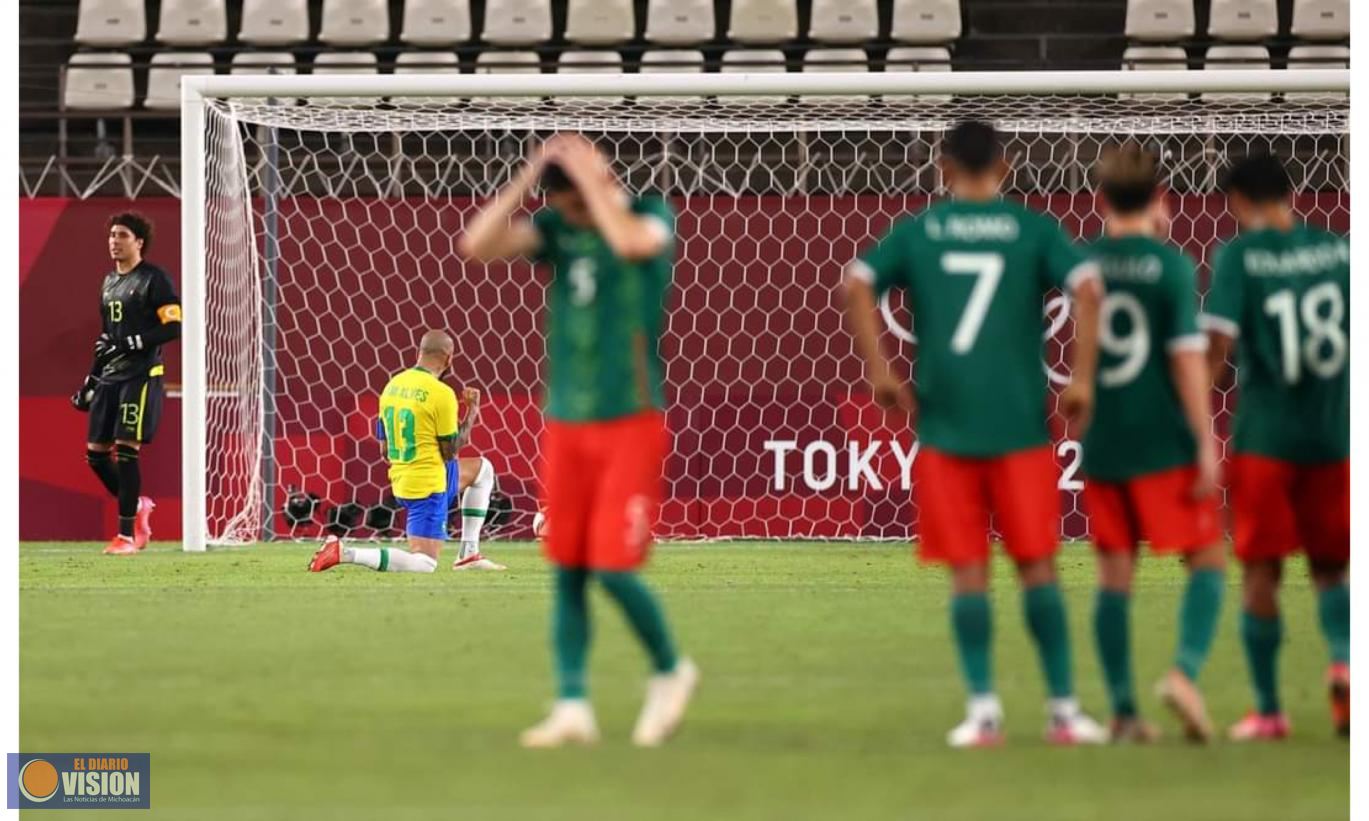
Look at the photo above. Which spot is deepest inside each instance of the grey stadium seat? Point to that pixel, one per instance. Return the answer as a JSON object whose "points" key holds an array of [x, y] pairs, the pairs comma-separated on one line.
{"points": [[193, 22], [680, 22], [926, 21], [1160, 20], [436, 22], [164, 75], [111, 22], [274, 22], [96, 81]]}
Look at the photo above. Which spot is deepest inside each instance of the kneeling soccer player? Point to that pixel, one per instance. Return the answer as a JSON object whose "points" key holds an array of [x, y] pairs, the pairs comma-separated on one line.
{"points": [[418, 421], [1281, 294], [1150, 457], [605, 442], [976, 268]]}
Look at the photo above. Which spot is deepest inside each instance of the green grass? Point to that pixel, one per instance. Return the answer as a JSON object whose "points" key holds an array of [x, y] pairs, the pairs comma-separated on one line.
{"points": [[263, 691]]}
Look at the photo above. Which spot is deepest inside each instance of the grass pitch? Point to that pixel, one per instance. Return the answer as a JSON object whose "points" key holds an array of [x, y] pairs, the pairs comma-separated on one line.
{"points": [[266, 692]]}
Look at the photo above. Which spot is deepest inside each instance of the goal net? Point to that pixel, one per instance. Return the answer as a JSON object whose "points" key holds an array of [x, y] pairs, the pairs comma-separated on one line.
{"points": [[322, 216]]}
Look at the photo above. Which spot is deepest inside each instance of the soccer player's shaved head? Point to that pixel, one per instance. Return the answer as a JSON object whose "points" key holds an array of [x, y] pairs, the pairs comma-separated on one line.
{"points": [[436, 343]]}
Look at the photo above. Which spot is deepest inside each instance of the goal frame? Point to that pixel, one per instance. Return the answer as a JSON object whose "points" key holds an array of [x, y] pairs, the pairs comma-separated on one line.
{"points": [[196, 90]]}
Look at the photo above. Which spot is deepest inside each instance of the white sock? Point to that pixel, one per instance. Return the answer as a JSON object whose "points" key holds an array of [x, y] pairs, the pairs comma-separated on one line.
{"points": [[390, 559], [1063, 707], [475, 501]]}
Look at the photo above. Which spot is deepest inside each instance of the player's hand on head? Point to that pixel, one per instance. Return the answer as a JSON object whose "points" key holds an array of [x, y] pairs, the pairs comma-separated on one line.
{"points": [[1076, 403]]}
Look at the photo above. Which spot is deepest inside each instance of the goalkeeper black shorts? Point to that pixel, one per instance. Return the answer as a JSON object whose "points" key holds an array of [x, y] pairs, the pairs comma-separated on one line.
{"points": [[126, 411]]}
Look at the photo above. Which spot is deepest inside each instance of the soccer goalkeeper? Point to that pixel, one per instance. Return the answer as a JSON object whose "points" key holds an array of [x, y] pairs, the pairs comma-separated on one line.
{"points": [[605, 441]]}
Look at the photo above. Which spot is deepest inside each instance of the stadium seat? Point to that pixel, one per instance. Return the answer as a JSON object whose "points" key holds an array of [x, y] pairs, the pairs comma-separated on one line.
{"points": [[843, 21], [757, 61], [436, 22], [834, 60], [427, 62], [1228, 58], [193, 22], [164, 75], [1243, 20], [263, 62], [918, 58], [508, 62], [345, 62], [680, 22], [599, 22], [355, 22], [763, 21], [1155, 58], [95, 81], [671, 61], [517, 22], [274, 22], [1318, 56], [1321, 19], [111, 22], [926, 21], [1160, 20], [590, 62]]}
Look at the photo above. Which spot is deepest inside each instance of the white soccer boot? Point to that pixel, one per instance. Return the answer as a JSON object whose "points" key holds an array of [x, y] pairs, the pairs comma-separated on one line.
{"points": [[571, 721], [1070, 725], [667, 696], [983, 724]]}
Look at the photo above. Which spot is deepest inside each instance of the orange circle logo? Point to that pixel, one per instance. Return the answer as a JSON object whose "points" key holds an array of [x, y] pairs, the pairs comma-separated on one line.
{"points": [[38, 780]]}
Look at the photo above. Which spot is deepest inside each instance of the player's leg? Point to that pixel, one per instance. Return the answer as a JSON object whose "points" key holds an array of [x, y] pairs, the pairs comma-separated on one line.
{"points": [[150, 397], [1026, 501], [1265, 532], [1113, 523], [425, 524], [132, 423], [475, 482], [953, 528], [1173, 521], [569, 483], [1322, 505], [101, 429], [624, 512]]}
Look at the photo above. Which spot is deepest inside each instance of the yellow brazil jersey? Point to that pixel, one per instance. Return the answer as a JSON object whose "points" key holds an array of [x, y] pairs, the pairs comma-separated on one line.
{"points": [[417, 409]]}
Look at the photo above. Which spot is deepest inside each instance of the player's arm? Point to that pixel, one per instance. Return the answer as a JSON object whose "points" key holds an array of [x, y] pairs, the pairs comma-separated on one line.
{"points": [[449, 440], [1070, 269], [631, 236], [162, 298], [1221, 314], [866, 278], [494, 233], [470, 398], [1188, 367]]}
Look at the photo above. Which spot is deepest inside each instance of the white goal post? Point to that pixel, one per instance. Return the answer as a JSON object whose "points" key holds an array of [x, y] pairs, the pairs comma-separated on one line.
{"points": [[278, 171]]}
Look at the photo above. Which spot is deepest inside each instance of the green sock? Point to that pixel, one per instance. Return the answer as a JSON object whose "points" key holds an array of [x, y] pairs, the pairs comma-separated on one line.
{"points": [[1112, 632], [1045, 612], [1261, 637], [644, 614], [570, 631], [1198, 617], [1333, 606], [972, 626]]}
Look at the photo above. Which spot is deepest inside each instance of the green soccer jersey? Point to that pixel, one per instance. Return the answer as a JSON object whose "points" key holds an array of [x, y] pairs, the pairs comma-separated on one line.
{"points": [[1150, 311], [604, 319], [975, 275], [1285, 297]]}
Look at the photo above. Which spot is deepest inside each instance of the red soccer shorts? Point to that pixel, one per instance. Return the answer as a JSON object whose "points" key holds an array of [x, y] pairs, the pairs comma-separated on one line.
{"points": [[1279, 507], [602, 482], [1156, 507], [956, 496]]}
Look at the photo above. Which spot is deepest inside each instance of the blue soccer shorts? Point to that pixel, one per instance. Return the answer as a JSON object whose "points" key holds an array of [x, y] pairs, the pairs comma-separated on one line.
{"points": [[427, 517]]}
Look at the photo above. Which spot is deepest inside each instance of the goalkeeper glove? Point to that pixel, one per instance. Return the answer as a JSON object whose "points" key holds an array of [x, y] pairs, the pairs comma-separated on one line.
{"points": [[107, 346], [85, 394]]}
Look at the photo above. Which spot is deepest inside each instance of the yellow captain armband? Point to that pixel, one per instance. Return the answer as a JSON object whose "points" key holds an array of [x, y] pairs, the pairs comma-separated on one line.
{"points": [[169, 313]]}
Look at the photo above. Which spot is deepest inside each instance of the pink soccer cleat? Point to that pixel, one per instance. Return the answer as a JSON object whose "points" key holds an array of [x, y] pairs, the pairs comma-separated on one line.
{"points": [[330, 555], [1256, 727], [142, 524], [120, 546]]}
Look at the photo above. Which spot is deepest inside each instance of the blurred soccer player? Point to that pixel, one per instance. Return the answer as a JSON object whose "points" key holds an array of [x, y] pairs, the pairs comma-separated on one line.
{"points": [[605, 443], [1150, 455], [1281, 296], [975, 269], [419, 426], [139, 312]]}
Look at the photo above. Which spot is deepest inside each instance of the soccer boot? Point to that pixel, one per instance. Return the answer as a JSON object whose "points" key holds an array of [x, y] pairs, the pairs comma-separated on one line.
{"points": [[1133, 730], [1256, 727], [571, 721], [1069, 725], [120, 546], [667, 696], [142, 524], [477, 562], [1338, 684], [327, 556], [1178, 692], [983, 724]]}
